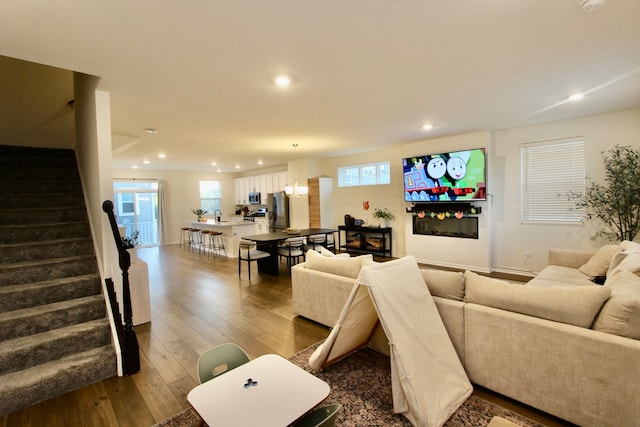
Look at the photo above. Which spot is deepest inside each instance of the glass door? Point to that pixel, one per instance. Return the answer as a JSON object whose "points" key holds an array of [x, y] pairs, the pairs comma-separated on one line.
{"points": [[136, 209]]}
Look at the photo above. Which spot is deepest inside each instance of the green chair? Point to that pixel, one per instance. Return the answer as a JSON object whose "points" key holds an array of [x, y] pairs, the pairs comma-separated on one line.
{"points": [[219, 360], [325, 417]]}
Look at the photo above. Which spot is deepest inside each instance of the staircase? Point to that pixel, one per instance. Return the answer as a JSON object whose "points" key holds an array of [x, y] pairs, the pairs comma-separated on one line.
{"points": [[54, 331]]}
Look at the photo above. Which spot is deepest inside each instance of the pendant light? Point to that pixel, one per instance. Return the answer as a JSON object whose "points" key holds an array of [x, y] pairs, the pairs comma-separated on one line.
{"points": [[296, 190]]}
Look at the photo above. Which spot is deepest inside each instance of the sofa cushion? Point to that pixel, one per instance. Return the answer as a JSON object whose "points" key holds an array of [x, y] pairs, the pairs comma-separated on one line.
{"points": [[445, 284], [557, 275], [348, 267], [620, 315], [599, 263], [575, 305], [630, 263], [628, 247]]}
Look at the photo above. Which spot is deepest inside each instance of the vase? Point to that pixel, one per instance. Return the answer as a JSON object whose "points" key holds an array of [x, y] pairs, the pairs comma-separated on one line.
{"points": [[133, 254]]}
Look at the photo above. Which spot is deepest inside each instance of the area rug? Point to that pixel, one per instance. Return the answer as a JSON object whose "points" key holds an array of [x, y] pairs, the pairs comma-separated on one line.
{"points": [[362, 384]]}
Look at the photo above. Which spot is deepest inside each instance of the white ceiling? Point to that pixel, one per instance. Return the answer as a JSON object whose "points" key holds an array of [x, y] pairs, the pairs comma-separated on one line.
{"points": [[366, 74]]}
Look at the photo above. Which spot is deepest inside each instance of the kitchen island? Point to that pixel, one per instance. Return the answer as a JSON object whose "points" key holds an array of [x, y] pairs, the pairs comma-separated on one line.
{"points": [[232, 232]]}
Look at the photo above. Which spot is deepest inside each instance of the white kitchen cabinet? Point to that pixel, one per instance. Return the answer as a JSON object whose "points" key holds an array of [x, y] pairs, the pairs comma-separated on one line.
{"points": [[262, 225], [264, 184]]}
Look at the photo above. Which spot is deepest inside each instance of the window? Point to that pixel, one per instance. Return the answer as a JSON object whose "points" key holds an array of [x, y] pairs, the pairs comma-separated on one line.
{"points": [[552, 173], [367, 174], [210, 196], [136, 208]]}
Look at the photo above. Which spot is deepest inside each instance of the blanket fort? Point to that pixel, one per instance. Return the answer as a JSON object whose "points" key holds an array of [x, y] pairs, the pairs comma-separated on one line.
{"points": [[429, 383]]}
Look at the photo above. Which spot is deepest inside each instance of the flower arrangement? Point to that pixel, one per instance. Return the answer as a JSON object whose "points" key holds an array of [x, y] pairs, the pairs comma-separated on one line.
{"points": [[383, 214], [131, 241], [199, 213]]}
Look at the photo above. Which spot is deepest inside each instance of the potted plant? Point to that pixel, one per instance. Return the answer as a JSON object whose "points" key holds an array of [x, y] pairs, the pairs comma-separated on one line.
{"points": [[384, 215], [130, 242], [199, 213], [616, 202]]}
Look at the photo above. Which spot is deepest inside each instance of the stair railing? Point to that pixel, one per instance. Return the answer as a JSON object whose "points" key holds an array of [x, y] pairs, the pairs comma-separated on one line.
{"points": [[129, 343]]}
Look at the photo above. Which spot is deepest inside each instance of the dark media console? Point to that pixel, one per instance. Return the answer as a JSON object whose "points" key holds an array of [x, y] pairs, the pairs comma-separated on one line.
{"points": [[368, 240]]}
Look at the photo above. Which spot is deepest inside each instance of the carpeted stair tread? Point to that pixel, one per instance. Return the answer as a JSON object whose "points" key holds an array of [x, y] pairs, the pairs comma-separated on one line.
{"points": [[26, 352], [41, 186], [38, 271], [33, 320], [17, 252], [43, 231], [24, 174], [24, 388], [53, 200], [17, 297], [38, 216]]}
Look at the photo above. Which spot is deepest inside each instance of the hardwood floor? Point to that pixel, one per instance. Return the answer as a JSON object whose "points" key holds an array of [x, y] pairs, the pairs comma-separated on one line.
{"points": [[197, 302]]}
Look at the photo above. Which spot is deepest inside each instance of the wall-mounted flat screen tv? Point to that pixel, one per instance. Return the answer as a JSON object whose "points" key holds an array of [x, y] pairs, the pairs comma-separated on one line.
{"points": [[445, 177]]}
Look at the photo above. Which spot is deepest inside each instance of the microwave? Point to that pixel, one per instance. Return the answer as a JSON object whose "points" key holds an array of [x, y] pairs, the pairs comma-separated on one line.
{"points": [[254, 198]]}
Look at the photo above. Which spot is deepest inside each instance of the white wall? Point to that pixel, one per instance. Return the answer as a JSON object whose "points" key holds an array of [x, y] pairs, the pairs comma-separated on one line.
{"points": [[512, 239], [349, 200], [502, 241], [451, 251], [93, 148], [182, 194]]}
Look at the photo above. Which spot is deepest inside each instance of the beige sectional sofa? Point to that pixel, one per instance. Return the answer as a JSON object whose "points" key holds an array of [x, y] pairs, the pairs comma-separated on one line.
{"points": [[560, 343]]}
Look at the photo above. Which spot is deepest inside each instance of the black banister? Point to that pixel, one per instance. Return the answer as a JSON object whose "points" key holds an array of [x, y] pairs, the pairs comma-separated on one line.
{"points": [[129, 344]]}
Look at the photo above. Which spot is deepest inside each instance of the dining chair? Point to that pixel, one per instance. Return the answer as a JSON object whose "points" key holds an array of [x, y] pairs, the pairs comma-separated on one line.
{"points": [[292, 249], [331, 243], [248, 253], [316, 241], [324, 416], [219, 360]]}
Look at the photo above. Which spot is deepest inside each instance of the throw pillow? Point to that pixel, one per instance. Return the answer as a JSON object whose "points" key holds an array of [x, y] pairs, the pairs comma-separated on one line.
{"points": [[599, 263], [348, 267], [627, 248], [574, 305], [445, 284], [326, 252], [630, 263], [620, 315]]}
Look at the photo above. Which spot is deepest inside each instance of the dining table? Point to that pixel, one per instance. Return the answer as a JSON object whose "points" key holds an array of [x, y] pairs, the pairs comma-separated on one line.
{"points": [[266, 391], [269, 242]]}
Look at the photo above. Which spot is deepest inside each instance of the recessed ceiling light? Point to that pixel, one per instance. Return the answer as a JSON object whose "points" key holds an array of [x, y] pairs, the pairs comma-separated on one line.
{"points": [[134, 167], [214, 164], [427, 126], [151, 130], [576, 97], [282, 81], [146, 162], [259, 162], [162, 155], [237, 166]]}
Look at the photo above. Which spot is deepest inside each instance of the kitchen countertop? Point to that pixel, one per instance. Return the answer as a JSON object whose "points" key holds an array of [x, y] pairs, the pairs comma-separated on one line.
{"points": [[223, 223]]}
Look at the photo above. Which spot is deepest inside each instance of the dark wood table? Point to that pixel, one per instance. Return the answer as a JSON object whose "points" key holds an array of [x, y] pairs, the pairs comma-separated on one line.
{"points": [[269, 242]]}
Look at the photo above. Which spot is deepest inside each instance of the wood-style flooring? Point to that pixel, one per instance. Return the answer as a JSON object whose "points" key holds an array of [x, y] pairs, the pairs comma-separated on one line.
{"points": [[197, 302]]}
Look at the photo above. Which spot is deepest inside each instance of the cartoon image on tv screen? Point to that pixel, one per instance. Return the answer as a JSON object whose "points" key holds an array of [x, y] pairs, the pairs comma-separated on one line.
{"points": [[451, 176]]}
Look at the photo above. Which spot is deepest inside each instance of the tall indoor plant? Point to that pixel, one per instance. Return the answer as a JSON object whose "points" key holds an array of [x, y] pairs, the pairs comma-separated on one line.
{"points": [[616, 202]]}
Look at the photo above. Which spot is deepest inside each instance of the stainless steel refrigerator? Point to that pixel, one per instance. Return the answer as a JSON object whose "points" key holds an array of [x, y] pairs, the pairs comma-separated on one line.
{"points": [[278, 211]]}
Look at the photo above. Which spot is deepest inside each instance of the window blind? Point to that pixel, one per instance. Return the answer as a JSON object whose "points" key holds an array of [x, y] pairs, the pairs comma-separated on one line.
{"points": [[551, 173]]}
